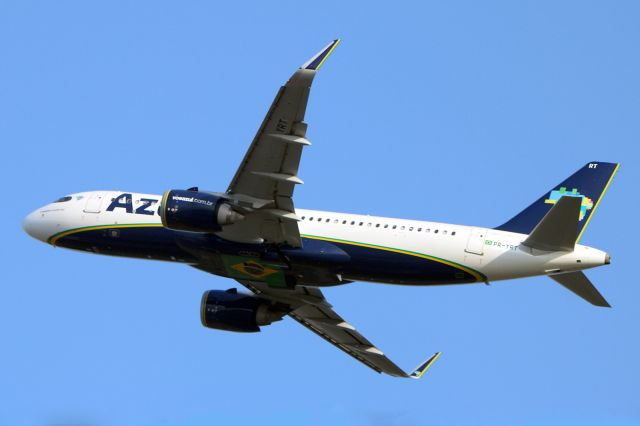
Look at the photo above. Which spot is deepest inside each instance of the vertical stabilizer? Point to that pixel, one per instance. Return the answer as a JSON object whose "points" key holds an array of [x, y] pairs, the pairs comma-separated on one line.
{"points": [[589, 184]]}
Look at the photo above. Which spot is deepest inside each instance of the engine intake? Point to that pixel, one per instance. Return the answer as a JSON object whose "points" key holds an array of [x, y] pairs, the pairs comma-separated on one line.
{"points": [[233, 311], [195, 211]]}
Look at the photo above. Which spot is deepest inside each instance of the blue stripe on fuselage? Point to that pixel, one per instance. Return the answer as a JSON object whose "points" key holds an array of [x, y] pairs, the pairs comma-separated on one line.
{"points": [[363, 263]]}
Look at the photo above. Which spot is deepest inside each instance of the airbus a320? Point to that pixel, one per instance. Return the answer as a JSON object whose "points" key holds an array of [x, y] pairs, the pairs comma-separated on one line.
{"points": [[284, 255]]}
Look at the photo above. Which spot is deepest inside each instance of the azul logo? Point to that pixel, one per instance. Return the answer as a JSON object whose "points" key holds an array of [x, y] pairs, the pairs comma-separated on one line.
{"points": [[125, 201], [587, 203]]}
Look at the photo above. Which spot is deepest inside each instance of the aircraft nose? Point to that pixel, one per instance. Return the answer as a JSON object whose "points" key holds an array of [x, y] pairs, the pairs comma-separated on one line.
{"points": [[34, 225]]}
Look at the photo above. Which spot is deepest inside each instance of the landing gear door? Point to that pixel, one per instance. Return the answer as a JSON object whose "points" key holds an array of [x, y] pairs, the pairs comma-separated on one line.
{"points": [[94, 202], [475, 244]]}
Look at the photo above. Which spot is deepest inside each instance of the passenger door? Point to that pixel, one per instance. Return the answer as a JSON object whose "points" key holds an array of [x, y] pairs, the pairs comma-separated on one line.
{"points": [[475, 244], [94, 203]]}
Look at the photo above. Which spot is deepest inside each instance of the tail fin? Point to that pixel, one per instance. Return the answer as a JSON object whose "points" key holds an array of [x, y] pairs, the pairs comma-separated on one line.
{"points": [[589, 183]]}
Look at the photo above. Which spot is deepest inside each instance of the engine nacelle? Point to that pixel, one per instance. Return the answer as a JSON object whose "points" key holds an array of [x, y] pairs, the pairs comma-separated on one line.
{"points": [[196, 211], [233, 311]]}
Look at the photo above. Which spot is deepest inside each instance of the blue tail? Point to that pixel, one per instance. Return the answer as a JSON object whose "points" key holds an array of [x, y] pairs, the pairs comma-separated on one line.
{"points": [[590, 183]]}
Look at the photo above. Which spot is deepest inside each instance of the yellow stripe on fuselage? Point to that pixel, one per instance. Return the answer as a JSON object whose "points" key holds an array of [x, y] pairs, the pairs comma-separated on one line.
{"points": [[477, 275]]}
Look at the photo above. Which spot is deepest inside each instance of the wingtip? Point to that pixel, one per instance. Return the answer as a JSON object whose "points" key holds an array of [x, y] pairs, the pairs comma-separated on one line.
{"points": [[422, 368], [318, 59]]}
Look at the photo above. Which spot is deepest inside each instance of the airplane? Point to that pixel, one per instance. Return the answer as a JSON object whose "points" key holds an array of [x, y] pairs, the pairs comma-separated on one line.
{"points": [[284, 255]]}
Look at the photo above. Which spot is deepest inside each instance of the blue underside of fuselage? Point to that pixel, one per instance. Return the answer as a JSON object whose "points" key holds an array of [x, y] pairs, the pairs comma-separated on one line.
{"points": [[358, 263]]}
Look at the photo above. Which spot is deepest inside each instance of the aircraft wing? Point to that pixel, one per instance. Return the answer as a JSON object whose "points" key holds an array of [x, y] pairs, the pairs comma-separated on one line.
{"points": [[269, 171], [309, 307]]}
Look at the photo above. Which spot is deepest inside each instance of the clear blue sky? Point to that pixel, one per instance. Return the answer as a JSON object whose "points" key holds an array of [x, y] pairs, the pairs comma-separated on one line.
{"points": [[451, 111]]}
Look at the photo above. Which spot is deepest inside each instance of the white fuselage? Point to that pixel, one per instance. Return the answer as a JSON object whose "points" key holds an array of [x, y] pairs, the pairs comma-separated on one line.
{"points": [[494, 253], [489, 254]]}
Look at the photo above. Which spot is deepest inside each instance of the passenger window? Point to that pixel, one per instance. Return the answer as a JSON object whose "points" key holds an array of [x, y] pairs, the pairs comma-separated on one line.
{"points": [[327, 220], [411, 228], [377, 225], [311, 218], [361, 223], [319, 219], [427, 230], [353, 222], [435, 231], [344, 222], [335, 220], [394, 226], [302, 217], [453, 233], [386, 226], [368, 224], [444, 232], [419, 229], [402, 228]]}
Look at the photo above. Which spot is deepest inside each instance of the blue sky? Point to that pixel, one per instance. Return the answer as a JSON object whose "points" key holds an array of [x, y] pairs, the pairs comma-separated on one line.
{"points": [[452, 111]]}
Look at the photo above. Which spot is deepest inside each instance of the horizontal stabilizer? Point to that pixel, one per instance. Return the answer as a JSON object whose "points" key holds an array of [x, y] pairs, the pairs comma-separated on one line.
{"points": [[578, 283], [557, 229]]}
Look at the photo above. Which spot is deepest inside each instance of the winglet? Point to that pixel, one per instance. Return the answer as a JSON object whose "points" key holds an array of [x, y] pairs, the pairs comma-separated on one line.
{"points": [[316, 62], [420, 370]]}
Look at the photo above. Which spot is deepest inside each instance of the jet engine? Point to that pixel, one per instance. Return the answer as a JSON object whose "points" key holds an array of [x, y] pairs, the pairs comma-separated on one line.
{"points": [[233, 311], [187, 210]]}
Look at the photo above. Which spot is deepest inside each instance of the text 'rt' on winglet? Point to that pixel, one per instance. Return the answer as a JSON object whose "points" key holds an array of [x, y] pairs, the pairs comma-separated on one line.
{"points": [[316, 62], [420, 370]]}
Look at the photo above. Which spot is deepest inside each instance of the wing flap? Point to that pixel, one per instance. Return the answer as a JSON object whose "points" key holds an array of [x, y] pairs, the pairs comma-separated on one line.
{"points": [[375, 361], [269, 169], [309, 307]]}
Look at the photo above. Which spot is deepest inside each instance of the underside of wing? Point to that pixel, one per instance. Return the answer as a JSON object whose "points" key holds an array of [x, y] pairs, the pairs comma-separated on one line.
{"points": [[268, 172], [262, 193], [309, 307]]}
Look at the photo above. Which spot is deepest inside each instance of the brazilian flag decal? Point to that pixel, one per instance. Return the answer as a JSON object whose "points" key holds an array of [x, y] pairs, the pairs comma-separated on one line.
{"points": [[252, 269]]}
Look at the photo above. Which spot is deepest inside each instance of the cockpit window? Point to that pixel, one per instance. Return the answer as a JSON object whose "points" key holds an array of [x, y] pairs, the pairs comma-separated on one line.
{"points": [[63, 199]]}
